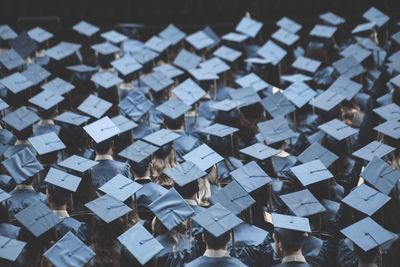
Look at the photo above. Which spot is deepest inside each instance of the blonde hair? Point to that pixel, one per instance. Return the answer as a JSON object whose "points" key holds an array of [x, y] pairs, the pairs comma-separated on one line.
{"points": [[205, 183], [159, 165], [175, 235]]}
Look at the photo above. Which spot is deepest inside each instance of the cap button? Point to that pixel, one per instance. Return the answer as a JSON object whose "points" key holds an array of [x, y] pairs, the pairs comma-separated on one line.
{"points": [[216, 219], [69, 254], [108, 207]]}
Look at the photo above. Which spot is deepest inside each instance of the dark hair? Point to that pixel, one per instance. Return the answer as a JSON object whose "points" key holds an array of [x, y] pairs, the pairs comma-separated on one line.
{"points": [[142, 167], [217, 242], [103, 146], [187, 191], [57, 195], [174, 124], [48, 114], [23, 134], [366, 256], [291, 240]]}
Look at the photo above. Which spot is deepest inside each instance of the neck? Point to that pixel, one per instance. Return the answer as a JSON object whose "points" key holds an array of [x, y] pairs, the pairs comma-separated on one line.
{"points": [[46, 122], [216, 253], [103, 156], [24, 186], [22, 142], [296, 253]]}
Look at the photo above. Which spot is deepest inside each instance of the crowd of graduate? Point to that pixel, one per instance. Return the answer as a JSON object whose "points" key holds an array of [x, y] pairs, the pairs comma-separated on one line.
{"points": [[199, 149]]}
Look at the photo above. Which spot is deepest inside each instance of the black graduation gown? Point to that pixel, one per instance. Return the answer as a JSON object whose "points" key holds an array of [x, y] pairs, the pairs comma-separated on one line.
{"points": [[107, 169], [293, 264], [204, 261]]}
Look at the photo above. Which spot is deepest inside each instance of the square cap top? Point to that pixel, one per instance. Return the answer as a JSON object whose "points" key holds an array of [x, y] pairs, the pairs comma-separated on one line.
{"points": [[252, 80], [173, 108], [199, 40], [106, 79], [37, 218], [40, 35], [272, 52], [247, 95], [316, 151], [366, 199], [46, 143], [157, 81], [219, 130], [277, 105], [289, 25], [120, 187], [375, 15], [36, 73], [327, 100], [215, 65], [311, 172], [348, 67], [10, 248], [337, 129], [185, 173], [140, 243], [114, 37], [302, 203], [189, 92], [126, 65], [306, 64], [168, 70], [217, 220], [69, 251], [157, 44], [356, 51], [374, 148], [105, 48], [94, 106], [186, 60], [161, 137], [323, 31], [11, 60], [381, 175], [367, 234], [21, 118], [62, 50], [226, 105], [389, 128], [3, 105], [259, 151], [288, 222], [63, 179], [251, 176], [235, 37], [85, 28], [135, 105], [203, 74], [204, 157], [211, 33], [396, 80], [24, 45], [249, 26], [171, 209], [144, 56], [108, 208], [46, 99], [6, 33], [124, 124], [172, 34], [396, 37], [364, 27], [295, 78], [138, 151], [275, 130], [227, 53], [332, 18], [346, 87], [77, 163], [58, 86], [285, 37], [72, 118], [16, 82], [233, 197], [4, 195], [299, 93], [389, 112], [102, 129]]}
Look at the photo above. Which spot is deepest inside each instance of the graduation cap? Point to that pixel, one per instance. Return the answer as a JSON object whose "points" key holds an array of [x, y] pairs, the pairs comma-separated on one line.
{"points": [[277, 105], [62, 179], [69, 251], [275, 130], [157, 44], [10, 249], [219, 130], [346, 87], [85, 28], [72, 118], [135, 105], [299, 93], [332, 18], [144, 56], [82, 72], [311, 172], [327, 100], [21, 118], [203, 156], [249, 26], [24, 45], [337, 129], [375, 15], [259, 151], [185, 173], [364, 27], [359, 53], [138, 151], [396, 37], [272, 52], [161, 137], [293, 223], [59, 86], [289, 25], [40, 35], [247, 95], [106, 79], [35, 73], [202, 74], [173, 108], [367, 234], [46, 143], [94, 106], [285, 37], [77, 163], [126, 65], [323, 31], [215, 65], [172, 34], [226, 53], [168, 70], [302, 203], [3, 105], [4, 195], [389, 128], [140, 243], [186, 60], [105, 48], [217, 220], [199, 40], [6, 33], [235, 37], [316, 151], [62, 50], [108, 208], [189, 92], [374, 148], [348, 67], [226, 105], [306, 64], [252, 80], [251, 176], [157, 81], [16, 82], [389, 112], [124, 124], [120, 187], [114, 36], [171, 209], [37, 218], [46, 99], [102, 129], [366, 199], [11, 60]]}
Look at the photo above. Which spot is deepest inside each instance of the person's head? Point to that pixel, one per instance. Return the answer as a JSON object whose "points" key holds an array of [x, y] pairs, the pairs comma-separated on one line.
{"points": [[48, 114], [175, 234], [216, 243], [288, 242], [57, 197], [366, 257], [278, 145], [104, 147], [23, 134], [140, 169], [189, 190]]}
